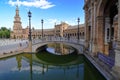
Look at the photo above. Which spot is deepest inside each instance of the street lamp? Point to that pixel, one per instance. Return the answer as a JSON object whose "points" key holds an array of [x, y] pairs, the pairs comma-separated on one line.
{"points": [[42, 27], [29, 15], [78, 28]]}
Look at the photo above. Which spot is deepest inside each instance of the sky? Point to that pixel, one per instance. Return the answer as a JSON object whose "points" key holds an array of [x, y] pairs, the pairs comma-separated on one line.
{"points": [[51, 11]]}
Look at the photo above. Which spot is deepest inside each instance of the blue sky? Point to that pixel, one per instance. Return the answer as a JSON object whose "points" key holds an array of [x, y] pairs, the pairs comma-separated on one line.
{"points": [[51, 11]]}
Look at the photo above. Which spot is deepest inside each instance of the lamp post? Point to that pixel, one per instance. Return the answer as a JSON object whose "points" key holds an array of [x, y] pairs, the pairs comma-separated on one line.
{"points": [[42, 27], [29, 15], [78, 29]]}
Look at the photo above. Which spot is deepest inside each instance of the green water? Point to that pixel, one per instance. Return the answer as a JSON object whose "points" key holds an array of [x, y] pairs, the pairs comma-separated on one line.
{"points": [[47, 66], [31, 67]]}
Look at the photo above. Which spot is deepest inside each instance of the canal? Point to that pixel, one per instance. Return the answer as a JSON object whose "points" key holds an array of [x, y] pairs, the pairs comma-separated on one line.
{"points": [[56, 62]]}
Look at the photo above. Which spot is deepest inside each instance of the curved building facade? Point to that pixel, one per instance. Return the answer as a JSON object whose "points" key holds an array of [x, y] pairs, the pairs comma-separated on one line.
{"points": [[60, 30], [102, 30]]}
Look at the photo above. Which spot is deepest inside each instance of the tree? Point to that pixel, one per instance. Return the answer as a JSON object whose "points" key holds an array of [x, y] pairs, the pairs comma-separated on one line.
{"points": [[4, 32]]}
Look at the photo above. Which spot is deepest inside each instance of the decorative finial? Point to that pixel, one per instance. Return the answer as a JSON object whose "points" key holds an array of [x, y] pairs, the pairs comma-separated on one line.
{"points": [[16, 7]]}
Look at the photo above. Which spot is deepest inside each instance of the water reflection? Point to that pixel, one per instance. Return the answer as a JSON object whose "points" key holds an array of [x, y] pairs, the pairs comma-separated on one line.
{"points": [[60, 49], [19, 64], [32, 67]]}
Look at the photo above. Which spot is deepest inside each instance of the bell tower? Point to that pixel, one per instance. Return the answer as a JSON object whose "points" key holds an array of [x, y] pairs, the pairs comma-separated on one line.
{"points": [[17, 27]]}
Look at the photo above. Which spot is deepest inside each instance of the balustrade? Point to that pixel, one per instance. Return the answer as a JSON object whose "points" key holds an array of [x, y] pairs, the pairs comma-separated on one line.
{"points": [[71, 40], [12, 45]]}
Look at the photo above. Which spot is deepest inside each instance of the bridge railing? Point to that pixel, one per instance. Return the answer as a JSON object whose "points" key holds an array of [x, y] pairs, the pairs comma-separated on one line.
{"points": [[35, 41]]}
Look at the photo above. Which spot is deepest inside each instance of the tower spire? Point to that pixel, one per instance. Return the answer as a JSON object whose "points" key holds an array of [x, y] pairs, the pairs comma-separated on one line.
{"points": [[17, 10]]}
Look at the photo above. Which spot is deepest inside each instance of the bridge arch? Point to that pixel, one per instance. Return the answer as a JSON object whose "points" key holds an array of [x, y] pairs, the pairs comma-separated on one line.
{"points": [[78, 47]]}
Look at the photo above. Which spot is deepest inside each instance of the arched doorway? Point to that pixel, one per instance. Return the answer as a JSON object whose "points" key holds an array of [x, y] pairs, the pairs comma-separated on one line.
{"points": [[107, 26], [106, 30], [110, 13]]}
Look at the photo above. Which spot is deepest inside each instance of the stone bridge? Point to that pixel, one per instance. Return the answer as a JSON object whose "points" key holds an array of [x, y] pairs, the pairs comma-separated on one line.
{"points": [[36, 43]]}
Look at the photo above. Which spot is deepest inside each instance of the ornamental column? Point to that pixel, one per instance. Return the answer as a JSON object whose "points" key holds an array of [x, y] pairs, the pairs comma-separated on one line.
{"points": [[100, 34], [94, 31], [92, 26], [86, 27]]}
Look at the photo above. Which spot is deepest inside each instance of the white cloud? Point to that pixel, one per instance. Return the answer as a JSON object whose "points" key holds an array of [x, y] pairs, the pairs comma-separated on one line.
{"points": [[71, 22], [52, 21], [43, 4]]}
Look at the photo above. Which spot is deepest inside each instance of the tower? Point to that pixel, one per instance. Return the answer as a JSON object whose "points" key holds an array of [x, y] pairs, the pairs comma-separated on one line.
{"points": [[17, 27]]}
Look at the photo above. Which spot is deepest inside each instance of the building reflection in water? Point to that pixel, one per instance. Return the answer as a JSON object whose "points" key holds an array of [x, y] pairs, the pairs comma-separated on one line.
{"points": [[42, 68], [19, 59], [60, 49], [19, 63]]}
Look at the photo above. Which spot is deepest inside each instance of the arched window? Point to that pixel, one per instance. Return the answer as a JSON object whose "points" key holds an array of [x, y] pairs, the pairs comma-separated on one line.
{"points": [[108, 33], [83, 34]]}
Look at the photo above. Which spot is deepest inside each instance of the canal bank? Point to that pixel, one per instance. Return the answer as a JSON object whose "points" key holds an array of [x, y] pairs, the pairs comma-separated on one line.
{"points": [[10, 54], [102, 67], [13, 47]]}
